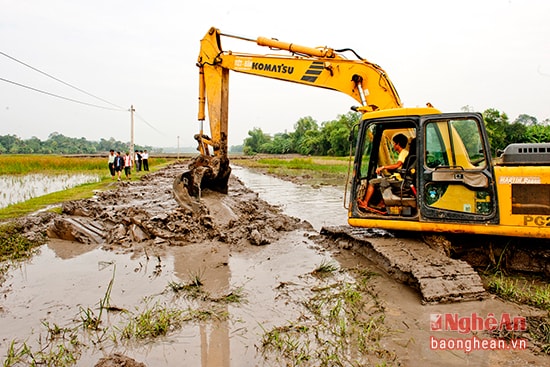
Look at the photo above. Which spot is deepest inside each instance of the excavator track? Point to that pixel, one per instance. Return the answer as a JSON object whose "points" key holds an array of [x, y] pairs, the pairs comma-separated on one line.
{"points": [[438, 278]]}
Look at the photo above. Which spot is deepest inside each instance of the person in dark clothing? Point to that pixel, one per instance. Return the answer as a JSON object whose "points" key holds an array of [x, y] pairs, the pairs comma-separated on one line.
{"points": [[119, 164], [138, 160], [145, 159], [111, 162]]}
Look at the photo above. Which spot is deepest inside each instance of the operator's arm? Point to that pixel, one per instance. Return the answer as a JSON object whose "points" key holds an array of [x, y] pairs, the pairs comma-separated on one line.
{"points": [[402, 155]]}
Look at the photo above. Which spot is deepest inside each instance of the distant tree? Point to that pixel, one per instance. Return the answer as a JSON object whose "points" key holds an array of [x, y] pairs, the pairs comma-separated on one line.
{"points": [[34, 145], [336, 134], [526, 120], [516, 132], [60, 144], [280, 144], [496, 122], [305, 125], [256, 138], [236, 149], [537, 134], [311, 143], [8, 142]]}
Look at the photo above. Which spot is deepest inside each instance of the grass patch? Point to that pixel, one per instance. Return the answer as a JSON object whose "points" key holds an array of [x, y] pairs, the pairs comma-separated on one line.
{"points": [[310, 170], [520, 290], [52, 164], [533, 292], [153, 322], [19, 164], [539, 329], [342, 326], [13, 245], [60, 347], [84, 191], [325, 268]]}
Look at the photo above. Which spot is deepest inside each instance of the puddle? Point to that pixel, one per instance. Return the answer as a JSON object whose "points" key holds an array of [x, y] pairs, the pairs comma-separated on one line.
{"points": [[65, 276], [15, 189], [76, 277]]}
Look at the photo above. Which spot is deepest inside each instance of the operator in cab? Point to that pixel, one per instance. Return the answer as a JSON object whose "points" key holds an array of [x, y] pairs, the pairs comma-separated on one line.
{"points": [[399, 144]]}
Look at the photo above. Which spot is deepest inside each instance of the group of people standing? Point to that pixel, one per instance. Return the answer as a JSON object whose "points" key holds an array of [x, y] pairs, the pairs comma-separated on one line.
{"points": [[118, 163]]}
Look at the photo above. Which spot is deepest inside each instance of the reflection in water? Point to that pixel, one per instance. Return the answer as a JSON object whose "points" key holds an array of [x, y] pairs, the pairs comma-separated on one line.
{"points": [[320, 207], [15, 189], [214, 273]]}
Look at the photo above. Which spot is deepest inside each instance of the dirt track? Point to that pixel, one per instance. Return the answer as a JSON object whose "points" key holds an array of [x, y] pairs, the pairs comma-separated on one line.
{"points": [[238, 239]]}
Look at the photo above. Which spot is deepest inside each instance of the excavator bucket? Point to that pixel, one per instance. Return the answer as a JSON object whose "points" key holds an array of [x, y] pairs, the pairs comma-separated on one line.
{"points": [[204, 172]]}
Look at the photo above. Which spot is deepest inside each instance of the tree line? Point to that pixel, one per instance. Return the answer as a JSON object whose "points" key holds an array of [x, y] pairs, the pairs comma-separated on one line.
{"points": [[60, 144], [331, 138]]}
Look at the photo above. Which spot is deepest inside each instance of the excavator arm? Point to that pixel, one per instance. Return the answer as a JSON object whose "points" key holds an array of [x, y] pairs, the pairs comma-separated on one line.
{"points": [[321, 67]]}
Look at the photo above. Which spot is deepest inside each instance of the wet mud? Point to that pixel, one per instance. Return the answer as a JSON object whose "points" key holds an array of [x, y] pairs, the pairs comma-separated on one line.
{"points": [[138, 245]]}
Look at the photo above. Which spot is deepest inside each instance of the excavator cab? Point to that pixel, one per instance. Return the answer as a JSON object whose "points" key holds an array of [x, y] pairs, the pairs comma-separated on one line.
{"points": [[446, 177], [394, 190]]}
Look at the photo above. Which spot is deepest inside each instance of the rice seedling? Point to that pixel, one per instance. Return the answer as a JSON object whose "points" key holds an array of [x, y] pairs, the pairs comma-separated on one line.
{"points": [[539, 330], [61, 347], [235, 296], [344, 327], [152, 322], [21, 164], [325, 268], [89, 319]]}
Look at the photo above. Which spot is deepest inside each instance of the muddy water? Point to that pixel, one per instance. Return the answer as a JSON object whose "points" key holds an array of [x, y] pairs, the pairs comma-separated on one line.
{"points": [[76, 277], [66, 277], [321, 206], [15, 189]]}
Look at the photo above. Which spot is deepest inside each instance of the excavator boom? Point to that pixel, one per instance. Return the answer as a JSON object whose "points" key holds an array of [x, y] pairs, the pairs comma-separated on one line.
{"points": [[322, 67]]}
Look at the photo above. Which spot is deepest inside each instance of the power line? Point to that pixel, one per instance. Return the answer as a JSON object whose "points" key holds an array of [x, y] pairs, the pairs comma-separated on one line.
{"points": [[72, 86], [148, 124], [58, 96], [59, 80]]}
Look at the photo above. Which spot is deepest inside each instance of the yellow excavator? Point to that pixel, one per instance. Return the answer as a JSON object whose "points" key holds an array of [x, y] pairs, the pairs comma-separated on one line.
{"points": [[447, 183]]}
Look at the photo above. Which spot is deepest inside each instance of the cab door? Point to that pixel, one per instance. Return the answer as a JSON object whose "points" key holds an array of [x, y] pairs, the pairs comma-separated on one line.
{"points": [[457, 181]]}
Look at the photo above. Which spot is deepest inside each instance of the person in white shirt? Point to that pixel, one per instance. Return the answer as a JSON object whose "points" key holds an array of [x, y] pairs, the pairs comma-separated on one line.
{"points": [[128, 165], [145, 160]]}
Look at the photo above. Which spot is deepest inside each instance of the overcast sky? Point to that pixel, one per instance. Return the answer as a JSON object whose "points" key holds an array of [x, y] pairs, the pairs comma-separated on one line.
{"points": [[482, 54]]}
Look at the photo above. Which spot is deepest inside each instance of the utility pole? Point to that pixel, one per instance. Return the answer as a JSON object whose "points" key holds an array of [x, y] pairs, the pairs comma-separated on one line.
{"points": [[132, 110], [178, 147]]}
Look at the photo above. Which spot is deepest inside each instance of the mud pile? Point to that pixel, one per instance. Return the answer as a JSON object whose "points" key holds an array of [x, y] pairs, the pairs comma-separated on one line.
{"points": [[144, 213]]}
